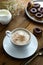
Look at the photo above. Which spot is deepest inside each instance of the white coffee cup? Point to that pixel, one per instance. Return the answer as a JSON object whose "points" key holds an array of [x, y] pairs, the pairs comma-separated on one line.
{"points": [[5, 16], [19, 36]]}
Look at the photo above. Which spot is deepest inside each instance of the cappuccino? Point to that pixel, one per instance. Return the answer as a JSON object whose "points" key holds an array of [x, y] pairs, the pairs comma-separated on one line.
{"points": [[20, 37]]}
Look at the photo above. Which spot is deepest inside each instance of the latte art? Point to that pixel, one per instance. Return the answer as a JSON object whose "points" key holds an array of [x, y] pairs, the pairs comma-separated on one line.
{"points": [[20, 37]]}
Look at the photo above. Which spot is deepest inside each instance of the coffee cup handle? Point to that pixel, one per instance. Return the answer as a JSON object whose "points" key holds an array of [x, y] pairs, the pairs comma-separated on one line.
{"points": [[8, 33]]}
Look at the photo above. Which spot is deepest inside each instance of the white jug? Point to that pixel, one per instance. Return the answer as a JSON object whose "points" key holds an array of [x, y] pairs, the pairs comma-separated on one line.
{"points": [[5, 16]]}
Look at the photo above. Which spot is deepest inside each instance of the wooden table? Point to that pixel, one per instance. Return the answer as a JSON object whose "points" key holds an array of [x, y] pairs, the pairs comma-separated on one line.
{"points": [[19, 21]]}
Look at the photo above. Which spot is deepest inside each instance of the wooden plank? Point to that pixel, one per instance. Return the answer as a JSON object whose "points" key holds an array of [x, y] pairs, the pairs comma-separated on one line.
{"points": [[18, 21], [37, 60], [34, 25], [2, 27]]}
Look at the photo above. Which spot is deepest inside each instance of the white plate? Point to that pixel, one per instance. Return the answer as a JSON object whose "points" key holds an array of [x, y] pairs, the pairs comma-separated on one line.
{"points": [[20, 52], [41, 3]]}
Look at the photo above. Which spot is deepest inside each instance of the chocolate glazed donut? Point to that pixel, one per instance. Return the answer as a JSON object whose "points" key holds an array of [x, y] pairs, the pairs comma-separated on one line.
{"points": [[33, 10], [37, 32], [29, 6], [36, 5], [40, 9], [38, 16]]}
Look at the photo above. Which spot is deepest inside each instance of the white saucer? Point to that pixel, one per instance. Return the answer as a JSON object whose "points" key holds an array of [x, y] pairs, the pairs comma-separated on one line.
{"points": [[20, 52], [27, 13]]}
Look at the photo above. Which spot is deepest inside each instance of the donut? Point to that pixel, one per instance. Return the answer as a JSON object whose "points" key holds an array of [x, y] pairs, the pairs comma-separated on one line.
{"points": [[33, 11], [37, 32], [38, 16], [36, 5], [29, 6], [40, 10]]}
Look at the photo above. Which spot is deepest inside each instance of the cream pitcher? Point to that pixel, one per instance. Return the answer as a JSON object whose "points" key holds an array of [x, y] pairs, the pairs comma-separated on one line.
{"points": [[5, 16]]}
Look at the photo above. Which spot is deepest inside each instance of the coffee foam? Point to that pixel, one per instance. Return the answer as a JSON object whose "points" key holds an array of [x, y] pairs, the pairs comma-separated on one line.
{"points": [[20, 37]]}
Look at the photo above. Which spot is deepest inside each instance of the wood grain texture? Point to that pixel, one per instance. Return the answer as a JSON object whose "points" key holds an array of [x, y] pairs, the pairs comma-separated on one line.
{"points": [[2, 27], [18, 21], [24, 22]]}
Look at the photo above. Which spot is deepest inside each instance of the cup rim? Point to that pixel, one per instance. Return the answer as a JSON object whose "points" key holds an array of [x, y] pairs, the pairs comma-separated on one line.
{"points": [[5, 10], [23, 30]]}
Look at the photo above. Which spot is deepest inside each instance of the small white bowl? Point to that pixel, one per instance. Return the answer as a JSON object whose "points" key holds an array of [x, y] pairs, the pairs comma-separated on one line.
{"points": [[5, 16]]}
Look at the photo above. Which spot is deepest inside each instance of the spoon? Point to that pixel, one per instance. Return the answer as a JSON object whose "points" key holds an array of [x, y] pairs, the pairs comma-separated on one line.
{"points": [[39, 53]]}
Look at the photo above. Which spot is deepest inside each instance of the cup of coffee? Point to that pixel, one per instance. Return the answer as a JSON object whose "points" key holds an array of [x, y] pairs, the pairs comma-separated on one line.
{"points": [[19, 36]]}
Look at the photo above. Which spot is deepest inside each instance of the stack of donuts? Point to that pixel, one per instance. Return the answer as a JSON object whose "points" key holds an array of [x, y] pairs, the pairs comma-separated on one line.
{"points": [[35, 10]]}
